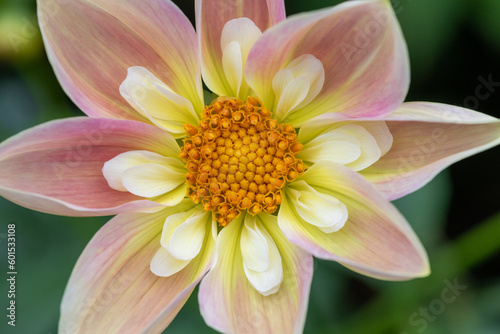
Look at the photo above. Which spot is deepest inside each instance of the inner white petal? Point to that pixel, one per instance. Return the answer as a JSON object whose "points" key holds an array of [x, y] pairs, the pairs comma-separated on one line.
{"points": [[164, 264], [113, 169], [243, 31], [155, 100], [171, 224], [254, 247], [318, 209], [266, 282], [294, 93], [183, 233], [237, 38], [311, 67], [232, 64], [370, 151], [341, 152], [281, 80], [306, 66], [380, 131], [150, 180], [188, 237], [340, 143]]}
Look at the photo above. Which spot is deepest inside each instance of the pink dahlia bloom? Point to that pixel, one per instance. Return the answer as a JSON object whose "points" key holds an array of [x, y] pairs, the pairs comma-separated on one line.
{"points": [[298, 152]]}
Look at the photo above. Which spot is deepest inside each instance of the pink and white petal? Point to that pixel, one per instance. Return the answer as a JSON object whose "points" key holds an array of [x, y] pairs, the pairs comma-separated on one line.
{"points": [[211, 17], [91, 44], [230, 304], [362, 50], [375, 241], [56, 167], [427, 137], [112, 289]]}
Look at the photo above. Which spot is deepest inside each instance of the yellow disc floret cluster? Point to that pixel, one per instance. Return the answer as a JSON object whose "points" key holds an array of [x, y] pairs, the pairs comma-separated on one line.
{"points": [[239, 158]]}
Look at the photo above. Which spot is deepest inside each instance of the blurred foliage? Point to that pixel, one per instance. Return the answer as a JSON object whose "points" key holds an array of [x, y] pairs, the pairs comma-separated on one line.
{"points": [[451, 44]]}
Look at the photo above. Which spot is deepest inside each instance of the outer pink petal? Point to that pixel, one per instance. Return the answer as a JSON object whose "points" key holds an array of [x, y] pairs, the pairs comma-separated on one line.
{"points": [[112, 289], [375, 241], [91, 44], [362, 50], [428, 137], [231, 305], [212, 15], [56, 167]]}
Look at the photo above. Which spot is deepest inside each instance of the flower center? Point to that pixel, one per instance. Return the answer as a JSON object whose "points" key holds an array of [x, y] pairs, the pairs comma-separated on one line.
{"points": [[239, 158]]}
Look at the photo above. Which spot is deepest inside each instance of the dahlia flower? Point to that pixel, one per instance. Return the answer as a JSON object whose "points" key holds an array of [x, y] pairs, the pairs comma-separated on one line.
{"points": [[298, 154]]}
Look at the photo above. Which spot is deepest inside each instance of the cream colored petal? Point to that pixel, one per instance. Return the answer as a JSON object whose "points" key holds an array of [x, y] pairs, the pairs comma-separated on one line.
{"points": [[151, 180], [173, 197], [156, 101], [187, 239], [243, 31], [183, 233], [281, 80], [113, 169], [318, 209], [293, 94], [311, 67], [254, 247], [170, 225], [369, 151], [237, 38], [377, 128], [232, 63], [163, 264], [268, 281], [331, 145], [380, 131], [336, 151]]}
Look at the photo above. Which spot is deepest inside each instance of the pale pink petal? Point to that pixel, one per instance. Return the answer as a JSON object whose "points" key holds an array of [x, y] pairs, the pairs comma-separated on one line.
{"points": [[427, 138], [375, 241], [91, 44], [212, 15], [112, 289], [362, 51], [230, 304], [57, 167]]}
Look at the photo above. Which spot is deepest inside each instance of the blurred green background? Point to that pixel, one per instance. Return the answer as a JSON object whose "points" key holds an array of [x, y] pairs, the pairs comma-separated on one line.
{"points": [[451, 42]]}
